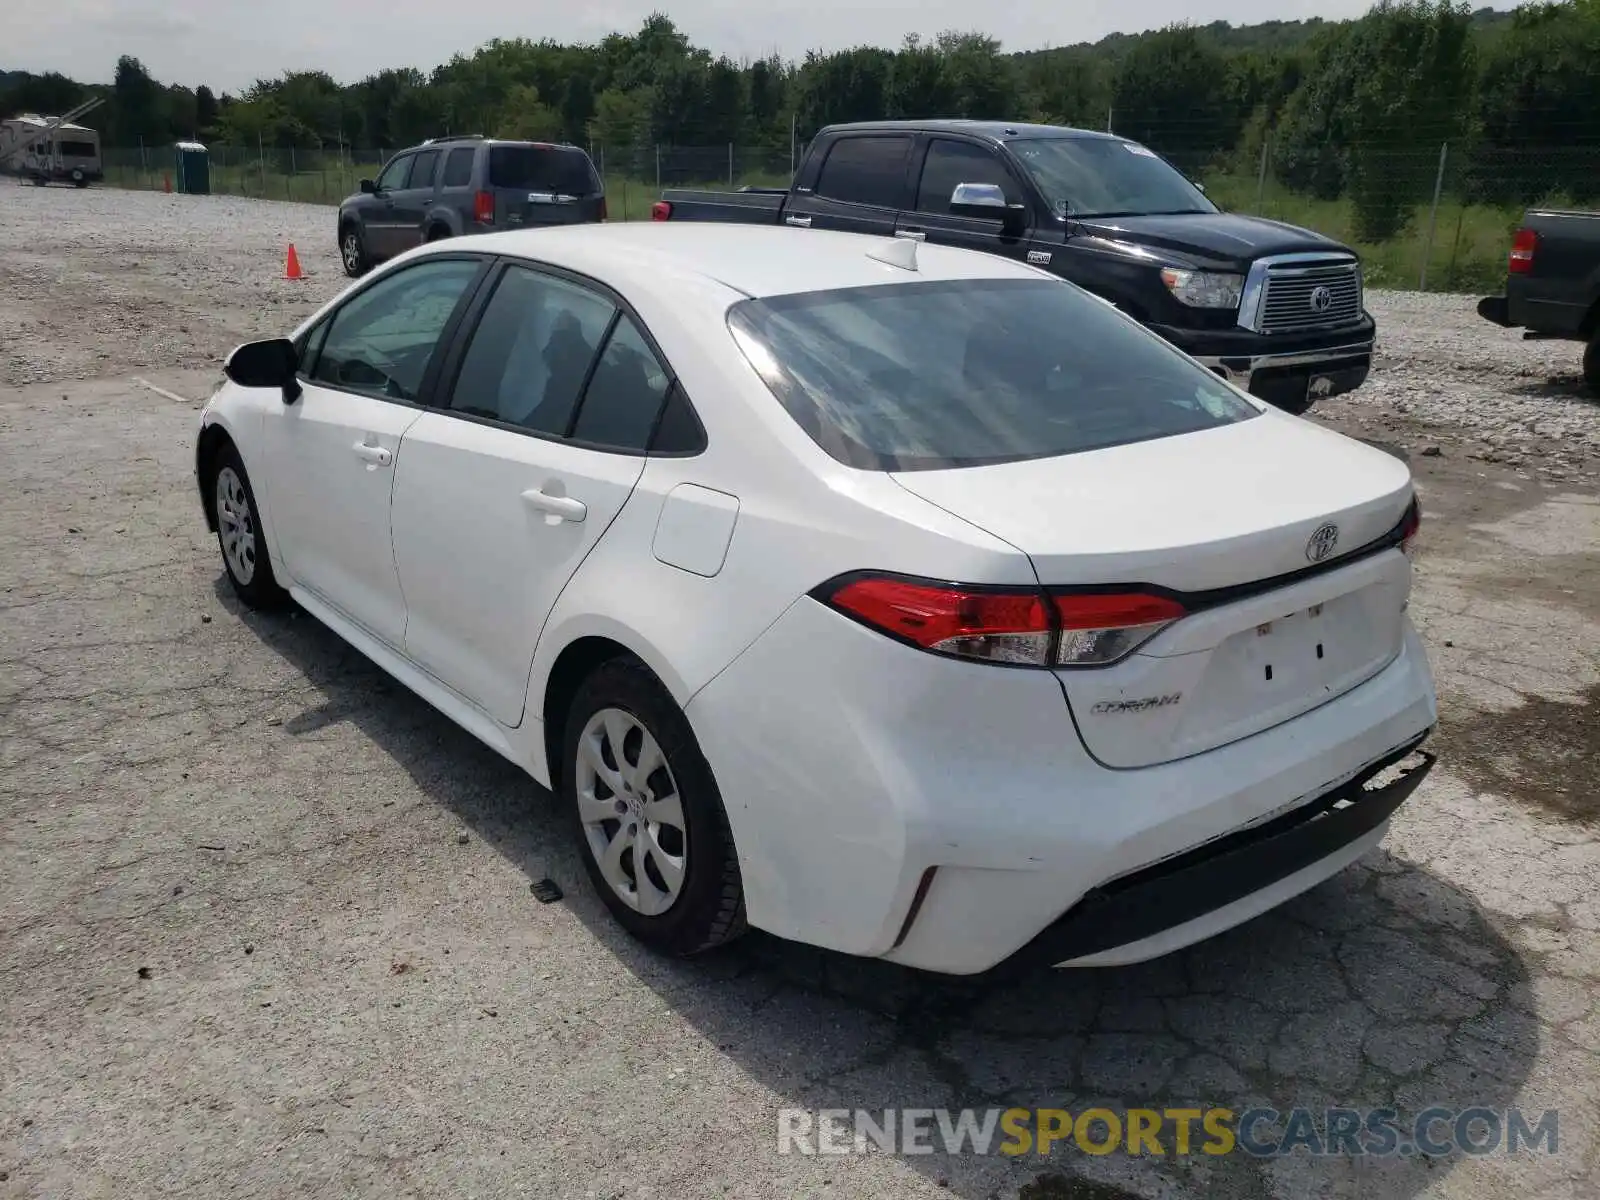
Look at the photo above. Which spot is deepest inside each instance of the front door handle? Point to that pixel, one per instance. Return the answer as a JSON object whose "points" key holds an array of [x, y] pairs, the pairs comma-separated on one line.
{"points": [[800, 222], [380, 456], [564, 507], [914, 235]]}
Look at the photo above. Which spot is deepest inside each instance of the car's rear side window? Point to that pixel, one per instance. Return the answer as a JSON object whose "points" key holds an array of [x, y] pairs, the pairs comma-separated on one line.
{"points": [[866, 170], [422, 170], [931, 375], [458, 167], [543, 169]]}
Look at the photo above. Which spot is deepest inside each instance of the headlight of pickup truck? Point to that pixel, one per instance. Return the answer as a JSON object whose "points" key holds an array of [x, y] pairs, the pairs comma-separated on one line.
{"points": [[1203, 289]]}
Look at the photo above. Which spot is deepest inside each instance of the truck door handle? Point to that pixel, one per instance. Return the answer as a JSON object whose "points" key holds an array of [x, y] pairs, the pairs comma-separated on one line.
{"points": [[564, 507], [379, 456], [801, 222]]}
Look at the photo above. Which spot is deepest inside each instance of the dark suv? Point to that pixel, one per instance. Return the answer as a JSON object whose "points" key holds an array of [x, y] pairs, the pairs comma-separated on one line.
{"points": [[472, 184]]}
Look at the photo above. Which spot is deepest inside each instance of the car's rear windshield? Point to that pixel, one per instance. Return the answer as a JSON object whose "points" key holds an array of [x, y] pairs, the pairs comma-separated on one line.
{"points": [[542, 169], [931, 375]]}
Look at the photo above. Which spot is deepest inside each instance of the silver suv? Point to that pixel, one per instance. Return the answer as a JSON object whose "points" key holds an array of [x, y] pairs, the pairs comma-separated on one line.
{"points": [[471, 184]]}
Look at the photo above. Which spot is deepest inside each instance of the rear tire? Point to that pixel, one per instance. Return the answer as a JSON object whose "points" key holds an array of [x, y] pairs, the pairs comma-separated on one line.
{"points": [[1591, 364], [655, 840], [240, 538], [438, 233], [353, 251], [1295, 408]]}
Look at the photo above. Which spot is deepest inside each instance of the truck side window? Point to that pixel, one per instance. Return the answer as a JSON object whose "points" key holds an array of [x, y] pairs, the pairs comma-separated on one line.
{"points": [[949, 163], [866, 170]]}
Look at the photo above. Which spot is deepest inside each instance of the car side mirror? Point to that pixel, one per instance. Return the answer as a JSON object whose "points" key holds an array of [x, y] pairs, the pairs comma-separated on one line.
{"points": [[268, 364], [369, 187], [988, 201], [1198, 186]]}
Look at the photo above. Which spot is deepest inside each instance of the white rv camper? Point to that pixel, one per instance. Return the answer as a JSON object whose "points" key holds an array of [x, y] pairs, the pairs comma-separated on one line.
{"points": [[30, 147]]}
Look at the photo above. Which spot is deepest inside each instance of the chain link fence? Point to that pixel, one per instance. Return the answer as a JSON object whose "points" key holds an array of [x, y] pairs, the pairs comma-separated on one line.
{"points": [[1431, 217]]}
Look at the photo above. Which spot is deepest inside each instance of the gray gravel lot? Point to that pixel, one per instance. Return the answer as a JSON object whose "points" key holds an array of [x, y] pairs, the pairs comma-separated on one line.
{"points": [[245, 950]]}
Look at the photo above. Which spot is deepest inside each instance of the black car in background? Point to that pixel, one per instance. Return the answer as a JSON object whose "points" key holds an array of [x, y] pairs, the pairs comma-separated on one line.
{"points": [[469, 184], [1553, 283], [1276, 309]]}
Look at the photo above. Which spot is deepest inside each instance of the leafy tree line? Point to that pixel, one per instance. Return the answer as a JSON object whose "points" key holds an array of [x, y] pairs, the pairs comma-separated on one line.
{"points": [[1336, 109]]}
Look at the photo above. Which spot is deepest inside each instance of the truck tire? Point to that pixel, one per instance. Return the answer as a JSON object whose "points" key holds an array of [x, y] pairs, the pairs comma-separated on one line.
{"points": [[79, 179], [1591, 364]]}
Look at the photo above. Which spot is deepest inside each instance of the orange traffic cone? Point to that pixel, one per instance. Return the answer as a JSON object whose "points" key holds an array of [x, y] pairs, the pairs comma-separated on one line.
{"points": [[291, 266]]}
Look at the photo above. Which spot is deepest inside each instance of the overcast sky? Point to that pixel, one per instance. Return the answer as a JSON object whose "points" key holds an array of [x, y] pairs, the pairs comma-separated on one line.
{"points": [[230, 43]]}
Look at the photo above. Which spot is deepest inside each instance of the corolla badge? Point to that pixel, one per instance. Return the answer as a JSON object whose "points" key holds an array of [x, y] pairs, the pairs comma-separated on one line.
{"points": [[1322, 542]]}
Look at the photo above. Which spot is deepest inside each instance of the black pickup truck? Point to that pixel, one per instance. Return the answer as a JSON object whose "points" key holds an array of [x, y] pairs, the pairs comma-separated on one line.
{"points": [[1553, 283], [1278, 310]]}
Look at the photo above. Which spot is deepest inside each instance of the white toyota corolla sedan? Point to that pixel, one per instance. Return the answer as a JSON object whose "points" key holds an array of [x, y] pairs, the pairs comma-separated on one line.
{"points": [[896, 598]]}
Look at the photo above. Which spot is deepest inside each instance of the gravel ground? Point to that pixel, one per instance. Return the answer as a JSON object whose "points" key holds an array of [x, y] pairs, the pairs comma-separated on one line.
{"points": [[265, 922]]}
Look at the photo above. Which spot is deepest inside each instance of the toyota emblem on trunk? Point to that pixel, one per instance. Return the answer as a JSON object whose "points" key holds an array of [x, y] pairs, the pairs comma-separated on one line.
{"points": [[1321, 298], [1322, 542]]}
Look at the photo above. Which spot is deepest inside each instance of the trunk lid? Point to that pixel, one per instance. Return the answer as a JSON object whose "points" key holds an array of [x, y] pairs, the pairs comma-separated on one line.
{"points": [[1233, 519]]}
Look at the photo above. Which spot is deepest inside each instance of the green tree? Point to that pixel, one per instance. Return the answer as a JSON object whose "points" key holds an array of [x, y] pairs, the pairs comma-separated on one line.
{"points": [[1168, 92], [137, 112], [525, 115], [1539, 107], [205, 109]]}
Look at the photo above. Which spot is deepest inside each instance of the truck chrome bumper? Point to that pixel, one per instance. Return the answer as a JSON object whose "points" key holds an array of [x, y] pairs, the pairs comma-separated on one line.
{"points": [[1242, 370]]}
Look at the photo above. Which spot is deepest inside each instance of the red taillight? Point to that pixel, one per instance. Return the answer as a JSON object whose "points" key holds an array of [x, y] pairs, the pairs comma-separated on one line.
{"points": [[1019, 626], [483, 208], [1410, 526], [661, 210], [1523, 246]]}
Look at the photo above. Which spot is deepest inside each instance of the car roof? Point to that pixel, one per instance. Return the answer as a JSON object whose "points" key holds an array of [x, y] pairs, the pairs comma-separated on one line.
{"points": [[750, 260], [999, 131]]}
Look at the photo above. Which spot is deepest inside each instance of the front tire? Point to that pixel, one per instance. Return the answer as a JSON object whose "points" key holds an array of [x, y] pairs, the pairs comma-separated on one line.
{"points": [[650, 824], [353, 252], [239, 534]]}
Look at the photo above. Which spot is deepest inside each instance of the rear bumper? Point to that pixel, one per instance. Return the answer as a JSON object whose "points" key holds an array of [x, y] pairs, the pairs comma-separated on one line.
{"points": [[1137, 916], [1496, 310], [1540, 316], [944, 814]]}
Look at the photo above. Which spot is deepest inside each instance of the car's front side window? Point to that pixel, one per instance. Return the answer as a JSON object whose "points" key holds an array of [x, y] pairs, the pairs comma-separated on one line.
{"points": [[396, 173], [531, 352], [380, 341]]}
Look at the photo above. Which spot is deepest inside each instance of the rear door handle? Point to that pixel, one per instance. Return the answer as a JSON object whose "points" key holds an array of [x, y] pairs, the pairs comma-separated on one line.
{"points": [[914, 235], [801, 222], [380, 456], [564, 507]]}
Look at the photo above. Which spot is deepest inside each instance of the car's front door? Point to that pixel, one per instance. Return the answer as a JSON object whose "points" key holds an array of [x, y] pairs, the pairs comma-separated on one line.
{"points": [[412, 202], [952, 161], [382, 225], [503, 490], [331, 454]]}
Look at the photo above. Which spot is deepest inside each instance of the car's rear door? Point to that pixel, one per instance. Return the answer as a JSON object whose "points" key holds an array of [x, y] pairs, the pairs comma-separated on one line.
{"points": [[860, 187], [546, 408]]}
